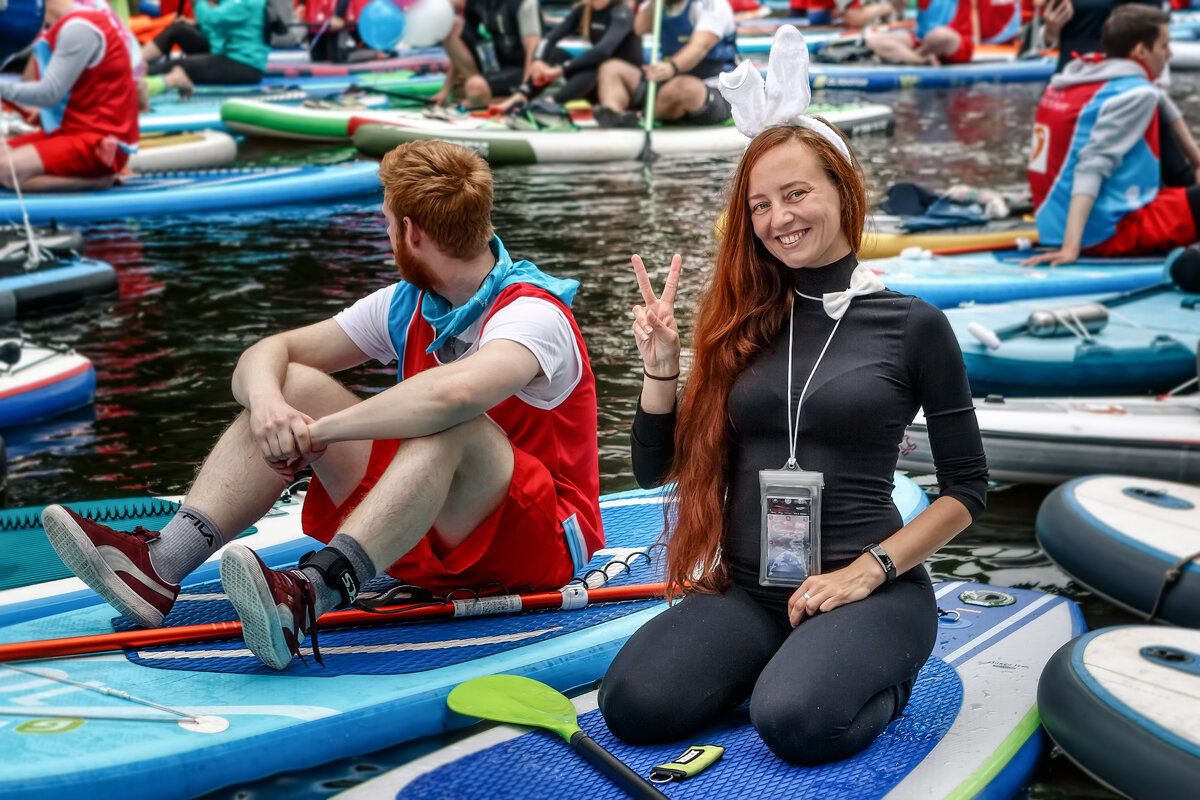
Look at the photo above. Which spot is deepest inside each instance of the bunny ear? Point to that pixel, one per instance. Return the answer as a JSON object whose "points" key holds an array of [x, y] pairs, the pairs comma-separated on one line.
{"points": [[744, 90], [788, 93]]}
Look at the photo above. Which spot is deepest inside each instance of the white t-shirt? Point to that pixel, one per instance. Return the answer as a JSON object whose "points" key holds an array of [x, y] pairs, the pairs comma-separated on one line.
{"points": [[714, 16], [538, 324]]}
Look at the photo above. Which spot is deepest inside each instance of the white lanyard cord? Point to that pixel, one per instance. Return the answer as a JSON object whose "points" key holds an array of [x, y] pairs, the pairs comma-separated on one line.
{"points": [[794, 430]]}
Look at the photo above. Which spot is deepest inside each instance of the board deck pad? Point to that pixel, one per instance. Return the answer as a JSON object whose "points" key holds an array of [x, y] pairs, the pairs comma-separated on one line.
{"points": [[26, 556], [747, 769], [970, 729], [305, 714]]}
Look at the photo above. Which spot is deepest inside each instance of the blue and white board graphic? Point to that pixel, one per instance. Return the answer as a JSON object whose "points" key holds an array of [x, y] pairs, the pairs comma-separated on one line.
{"points": [[970, 729], [380, 685], [355, 705]]}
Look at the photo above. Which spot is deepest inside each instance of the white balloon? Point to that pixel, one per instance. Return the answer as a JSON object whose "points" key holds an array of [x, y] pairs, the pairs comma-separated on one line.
{"points": [[428, 22]]}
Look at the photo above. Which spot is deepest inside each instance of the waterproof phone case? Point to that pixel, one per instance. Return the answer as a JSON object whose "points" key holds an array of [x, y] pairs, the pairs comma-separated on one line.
{"points": [[791, 525]]}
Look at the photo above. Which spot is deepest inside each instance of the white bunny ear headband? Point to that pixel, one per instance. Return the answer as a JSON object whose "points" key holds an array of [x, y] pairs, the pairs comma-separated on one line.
{"points": [[783, 98]]}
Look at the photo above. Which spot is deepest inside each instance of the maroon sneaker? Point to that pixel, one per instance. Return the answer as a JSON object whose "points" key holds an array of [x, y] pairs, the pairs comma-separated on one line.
{"points": [[115, 564], [277, 607]]}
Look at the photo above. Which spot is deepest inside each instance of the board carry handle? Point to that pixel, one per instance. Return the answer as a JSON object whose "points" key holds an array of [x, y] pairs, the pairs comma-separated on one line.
{"points": [[614, 768]]}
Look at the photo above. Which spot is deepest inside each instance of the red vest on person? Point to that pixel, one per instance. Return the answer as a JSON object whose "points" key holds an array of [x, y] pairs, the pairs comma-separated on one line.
{"points": [[563, 438], [316, 12], [104, 97]]}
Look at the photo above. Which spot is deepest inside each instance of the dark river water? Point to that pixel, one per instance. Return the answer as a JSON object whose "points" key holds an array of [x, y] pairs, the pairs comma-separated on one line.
{"points": [[194, 292]]}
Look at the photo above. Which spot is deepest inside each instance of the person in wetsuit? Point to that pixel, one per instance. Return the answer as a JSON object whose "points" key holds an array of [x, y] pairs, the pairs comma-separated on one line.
{"points": [[501, 36], [827, 664], [607, 25]]}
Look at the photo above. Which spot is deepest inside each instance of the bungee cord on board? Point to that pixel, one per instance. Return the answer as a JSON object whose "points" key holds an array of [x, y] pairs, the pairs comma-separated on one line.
{"points": [[34, 254]]}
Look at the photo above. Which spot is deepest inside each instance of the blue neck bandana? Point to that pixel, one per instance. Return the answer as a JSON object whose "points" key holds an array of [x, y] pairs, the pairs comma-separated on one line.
{"points": [[448, 321]]}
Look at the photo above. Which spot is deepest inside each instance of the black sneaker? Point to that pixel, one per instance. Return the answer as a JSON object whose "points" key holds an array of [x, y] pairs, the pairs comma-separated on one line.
{"points": [[607, 118]]}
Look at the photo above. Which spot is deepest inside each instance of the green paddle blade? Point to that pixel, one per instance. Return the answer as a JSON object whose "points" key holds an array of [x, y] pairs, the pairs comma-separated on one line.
{"points": [[516, 700]]}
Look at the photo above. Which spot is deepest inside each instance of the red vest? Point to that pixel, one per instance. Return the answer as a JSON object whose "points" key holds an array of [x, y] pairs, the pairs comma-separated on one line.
{"points": [[104, 98], [563, 438]]}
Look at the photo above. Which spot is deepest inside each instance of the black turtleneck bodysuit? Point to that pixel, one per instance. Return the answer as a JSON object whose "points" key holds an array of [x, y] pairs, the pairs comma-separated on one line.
{"points": [[827, 688]]}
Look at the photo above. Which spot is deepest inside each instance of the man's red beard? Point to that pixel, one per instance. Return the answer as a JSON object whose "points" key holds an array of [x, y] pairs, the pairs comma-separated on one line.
{"points": [[413, 269]]}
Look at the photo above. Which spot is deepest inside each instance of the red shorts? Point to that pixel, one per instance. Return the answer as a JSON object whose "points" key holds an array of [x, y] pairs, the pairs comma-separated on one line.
{"points": [[964, 53], [1162, 225], [74, 155], [521, 545]]}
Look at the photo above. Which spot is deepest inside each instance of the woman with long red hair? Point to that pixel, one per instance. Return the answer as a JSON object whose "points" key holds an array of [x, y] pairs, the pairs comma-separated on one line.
{"points": [[802, 589]]}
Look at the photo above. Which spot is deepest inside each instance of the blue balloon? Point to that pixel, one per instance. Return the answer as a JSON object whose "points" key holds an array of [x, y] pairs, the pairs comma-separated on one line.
{"points": [[20, 23], [381, 24]]}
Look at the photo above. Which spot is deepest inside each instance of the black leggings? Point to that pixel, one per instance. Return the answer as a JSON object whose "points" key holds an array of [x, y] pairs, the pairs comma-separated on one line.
{"points": [[580, 85], [201, 66], [821, 692]]}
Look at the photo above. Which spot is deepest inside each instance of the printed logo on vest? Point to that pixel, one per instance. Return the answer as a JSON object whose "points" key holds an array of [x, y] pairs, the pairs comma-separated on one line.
{"points": [[1040, 149]]}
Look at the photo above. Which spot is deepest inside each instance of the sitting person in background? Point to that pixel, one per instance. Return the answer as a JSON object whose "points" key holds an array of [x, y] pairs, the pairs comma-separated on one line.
{"points": [[1094, 168], [226, 45], [333, 31], [87, 104], [1073, 26], [1110, 191], [948, 30], [854, 13], [607, 25], [500, 37], [698, 44]]}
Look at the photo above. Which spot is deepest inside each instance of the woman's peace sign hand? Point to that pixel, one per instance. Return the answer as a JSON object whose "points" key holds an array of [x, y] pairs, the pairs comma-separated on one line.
{"points": [[654, 328]]}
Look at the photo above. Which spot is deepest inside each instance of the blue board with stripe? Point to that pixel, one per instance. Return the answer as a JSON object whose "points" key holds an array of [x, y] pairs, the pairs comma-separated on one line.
{"points": [[997, 276], [182, 193], [970, 729], [881, 77], [380, 685]]}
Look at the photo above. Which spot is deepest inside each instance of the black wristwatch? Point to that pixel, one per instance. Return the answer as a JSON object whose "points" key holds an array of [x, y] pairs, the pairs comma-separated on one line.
{"points": [[885, 561]]}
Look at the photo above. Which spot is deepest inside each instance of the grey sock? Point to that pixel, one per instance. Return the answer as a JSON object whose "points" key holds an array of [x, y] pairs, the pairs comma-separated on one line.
{"points": [[328, 597], [184, 543]]}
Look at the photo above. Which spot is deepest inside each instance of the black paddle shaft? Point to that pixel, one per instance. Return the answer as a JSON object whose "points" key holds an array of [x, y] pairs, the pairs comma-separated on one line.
{"points": [[614, 768]]}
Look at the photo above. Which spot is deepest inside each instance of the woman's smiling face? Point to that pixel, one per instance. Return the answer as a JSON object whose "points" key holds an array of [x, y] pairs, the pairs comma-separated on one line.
{"points": [[796, 210]]}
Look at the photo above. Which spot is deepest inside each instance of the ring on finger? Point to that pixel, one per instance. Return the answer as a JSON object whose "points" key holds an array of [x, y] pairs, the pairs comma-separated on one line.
{"points": [[807, 596]]}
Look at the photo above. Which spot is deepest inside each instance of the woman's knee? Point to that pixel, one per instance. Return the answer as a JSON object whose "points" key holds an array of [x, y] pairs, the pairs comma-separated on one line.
{"points": [[806, 730], [636, 712]]}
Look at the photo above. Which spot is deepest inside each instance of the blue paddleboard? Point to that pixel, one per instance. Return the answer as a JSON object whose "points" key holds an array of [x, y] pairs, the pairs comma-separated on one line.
{"points": [[970, 728], [1120, 536], [54, 282], [881, 77], [1124, 704], [1148, 346], [380, 685], [997, 276], [182, 193]]}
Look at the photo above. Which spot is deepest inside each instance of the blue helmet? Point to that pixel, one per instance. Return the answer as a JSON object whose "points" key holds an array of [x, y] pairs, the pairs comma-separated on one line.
{"points": [[20, 23]]}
